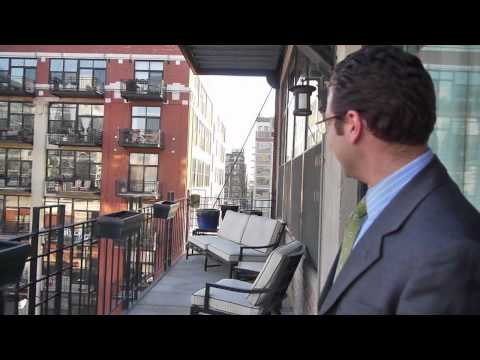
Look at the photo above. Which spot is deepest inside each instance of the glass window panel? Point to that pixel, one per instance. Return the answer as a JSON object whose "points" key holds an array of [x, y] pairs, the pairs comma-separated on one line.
{"points": [[69, 112], [94, 205], [31, 62], [27, 155], [141, 65], [53, 172], [153, 124], [151, 173], [16, 73], [83, 165], [97, 110], [11, 201], [84, 109], [136, 173], [70, 80], [99, 77], [461, 77], [17, 62], [446, 75], [27, 108], [56, 65], [86, 63], [96, 157], [16, 108], [14, 154], [151, 159], [136, 159], [156, 65], [16, 121], [153, 111], [138, 123], [30, 74], [3, 64], [155, 78], [139, 111], [95, 172], [79, 204], [100, 64], [71, 65], [97, 123], [141, 75], [56, 111], [86, 77]]}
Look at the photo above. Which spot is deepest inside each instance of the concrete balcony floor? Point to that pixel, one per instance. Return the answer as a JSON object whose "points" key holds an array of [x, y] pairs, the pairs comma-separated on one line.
{"points": [[171, 295]]}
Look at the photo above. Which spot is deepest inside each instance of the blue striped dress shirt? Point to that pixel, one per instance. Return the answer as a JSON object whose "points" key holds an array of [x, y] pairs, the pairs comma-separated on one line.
{"points": [[380, 195]]}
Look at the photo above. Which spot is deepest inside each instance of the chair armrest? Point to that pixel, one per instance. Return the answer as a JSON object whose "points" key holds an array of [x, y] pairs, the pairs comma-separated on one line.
{"points": [[274, 245], [245, 291]]}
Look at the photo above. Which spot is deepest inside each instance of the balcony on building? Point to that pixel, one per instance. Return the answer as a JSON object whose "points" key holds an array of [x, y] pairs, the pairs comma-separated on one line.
{"points": [[15, 183], [17, 86], [138, 189], [63, 186], [10, 134], [136, 89], [143, 138], [91, 137], [77, 87]]}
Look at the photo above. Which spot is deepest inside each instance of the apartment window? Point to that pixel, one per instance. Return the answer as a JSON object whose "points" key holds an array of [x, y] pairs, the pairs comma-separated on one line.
{"points": [[151, 73], [264, 146], [15, 214], [15, 167], [146, 118], [143, 172], [76, 210], [69, 166], [16, 116], [73, 118], [18, 73], [78, 74]]}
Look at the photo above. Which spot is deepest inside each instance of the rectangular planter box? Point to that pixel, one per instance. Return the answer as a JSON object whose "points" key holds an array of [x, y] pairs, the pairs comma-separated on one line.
{"points": [[118, 225], [12, 261], [165, 209]]}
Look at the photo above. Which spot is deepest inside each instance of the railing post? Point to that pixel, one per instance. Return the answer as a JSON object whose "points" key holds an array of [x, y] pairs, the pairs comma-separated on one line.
{"points": [[59, 258], [32, 287]]}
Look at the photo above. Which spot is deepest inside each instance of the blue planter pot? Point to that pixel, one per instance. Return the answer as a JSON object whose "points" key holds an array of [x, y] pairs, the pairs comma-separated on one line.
{"points": [[208, 218]]}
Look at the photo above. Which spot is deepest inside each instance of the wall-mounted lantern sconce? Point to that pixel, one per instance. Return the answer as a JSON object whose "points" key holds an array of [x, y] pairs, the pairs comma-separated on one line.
{"points": [[302, 99]]}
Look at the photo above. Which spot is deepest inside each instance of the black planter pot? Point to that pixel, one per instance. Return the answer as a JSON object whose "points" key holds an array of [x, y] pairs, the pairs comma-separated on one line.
{"points": [[252, 212], [12, 261], [228, 207], [118, 225], [165, 209]]}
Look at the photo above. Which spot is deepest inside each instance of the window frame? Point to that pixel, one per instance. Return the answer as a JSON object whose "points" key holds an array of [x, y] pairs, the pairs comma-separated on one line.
{"points": [[24, 67], [76, 122], [94, 84]]}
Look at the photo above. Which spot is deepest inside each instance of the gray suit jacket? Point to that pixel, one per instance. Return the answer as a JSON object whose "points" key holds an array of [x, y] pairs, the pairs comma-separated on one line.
{"points": [[420, 256]]}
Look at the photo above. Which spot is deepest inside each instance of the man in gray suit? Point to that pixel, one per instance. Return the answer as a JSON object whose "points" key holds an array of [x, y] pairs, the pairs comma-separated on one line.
{"points": [[412, 245]]}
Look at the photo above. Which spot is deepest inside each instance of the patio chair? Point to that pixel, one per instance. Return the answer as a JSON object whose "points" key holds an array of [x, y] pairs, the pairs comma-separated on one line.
{"points": [[263, 297], [86, 185], [77, 185]]}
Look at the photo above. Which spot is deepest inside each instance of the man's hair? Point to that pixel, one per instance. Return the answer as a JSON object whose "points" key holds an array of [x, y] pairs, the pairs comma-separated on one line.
{"points": [[392, 91]]}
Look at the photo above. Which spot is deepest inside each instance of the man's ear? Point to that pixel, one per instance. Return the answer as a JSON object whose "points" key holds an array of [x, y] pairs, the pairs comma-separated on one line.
{"points": [[354, 126]]}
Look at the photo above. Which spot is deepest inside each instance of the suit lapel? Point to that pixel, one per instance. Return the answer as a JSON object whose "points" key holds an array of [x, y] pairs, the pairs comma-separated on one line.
{"points": [[368, 250]]}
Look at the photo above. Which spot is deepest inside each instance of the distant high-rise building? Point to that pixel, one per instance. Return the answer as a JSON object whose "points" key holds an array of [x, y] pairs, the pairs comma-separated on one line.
{"points": [[263, 162], [236, 177]]}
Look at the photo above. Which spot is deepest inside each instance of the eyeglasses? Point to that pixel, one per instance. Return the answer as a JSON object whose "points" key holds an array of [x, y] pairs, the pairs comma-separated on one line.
{"points": [[328, 118]]}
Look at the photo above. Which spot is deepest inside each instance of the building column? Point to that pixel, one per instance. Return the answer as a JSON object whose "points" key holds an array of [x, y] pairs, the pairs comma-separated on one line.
{"points": [[339, 197], [40, 128]]}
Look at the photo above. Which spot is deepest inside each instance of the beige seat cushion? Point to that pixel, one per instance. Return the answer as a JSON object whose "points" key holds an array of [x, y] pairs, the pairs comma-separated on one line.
{"points": [[233, 226], [202, 241], [261, 231], [227, 301], [230, 251]]}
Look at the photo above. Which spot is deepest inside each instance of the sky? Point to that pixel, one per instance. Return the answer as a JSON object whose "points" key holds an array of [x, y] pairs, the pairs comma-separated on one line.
{"points": [[237, 100]]}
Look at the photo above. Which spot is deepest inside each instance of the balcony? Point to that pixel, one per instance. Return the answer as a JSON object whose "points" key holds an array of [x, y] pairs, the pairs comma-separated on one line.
{"points": [[16, 183], [141, 138], [138, 189], [72, 187], [143, 90], [82, 87], [77, 138], [17, 86], [16, 135]]}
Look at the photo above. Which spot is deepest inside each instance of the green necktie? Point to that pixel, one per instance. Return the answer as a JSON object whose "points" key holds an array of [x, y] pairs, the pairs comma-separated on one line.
{"points": [[355, 222]]}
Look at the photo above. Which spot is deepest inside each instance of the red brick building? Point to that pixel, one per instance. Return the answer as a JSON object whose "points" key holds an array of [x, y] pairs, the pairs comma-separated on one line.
{"points": [[99, 128]]}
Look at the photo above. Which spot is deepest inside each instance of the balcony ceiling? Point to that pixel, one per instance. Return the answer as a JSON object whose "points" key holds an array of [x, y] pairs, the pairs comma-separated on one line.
{"points": [[246, 60]]}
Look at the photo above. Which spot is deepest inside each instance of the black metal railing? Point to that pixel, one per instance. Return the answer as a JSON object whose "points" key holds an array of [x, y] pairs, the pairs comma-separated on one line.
{"points": [[89, 138], [143, 89], [82, 86], [22, 135], [75, 270], [140, 138], [15, 85], [64, 185], [152, 188], [263, 205], [23, 182]]}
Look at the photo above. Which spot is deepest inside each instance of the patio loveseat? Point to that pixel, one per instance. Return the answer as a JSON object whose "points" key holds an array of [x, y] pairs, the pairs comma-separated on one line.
{"points": [[249, 237]]}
